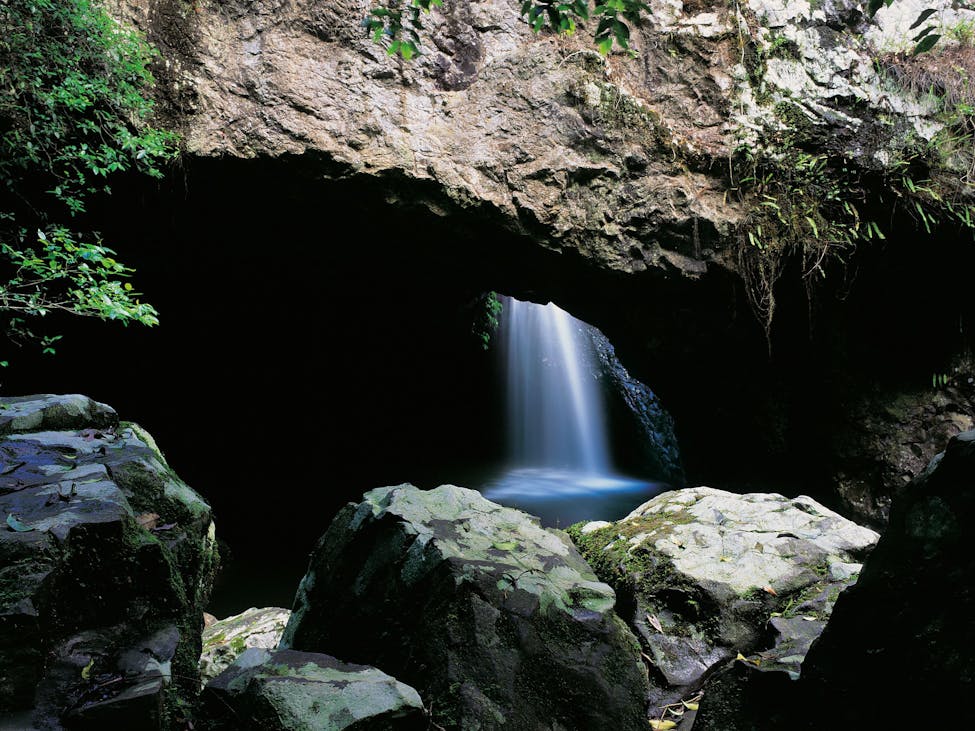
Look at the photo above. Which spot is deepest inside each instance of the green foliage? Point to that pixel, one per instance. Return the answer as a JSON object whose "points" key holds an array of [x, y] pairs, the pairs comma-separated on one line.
{"points": [[926, 39], [487, 317], [399, 22], [800, 204], [73, 110]]}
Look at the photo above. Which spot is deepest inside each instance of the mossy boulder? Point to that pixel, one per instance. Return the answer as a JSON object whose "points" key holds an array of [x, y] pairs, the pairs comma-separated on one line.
{"points": [[287, 690], [700, 572], [498, 622], [104, 551], [226, 639]]}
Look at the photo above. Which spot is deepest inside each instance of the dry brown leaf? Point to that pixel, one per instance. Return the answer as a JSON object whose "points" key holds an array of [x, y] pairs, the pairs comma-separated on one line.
{"points": [[652, 619], [770, 590], [147, 520]]}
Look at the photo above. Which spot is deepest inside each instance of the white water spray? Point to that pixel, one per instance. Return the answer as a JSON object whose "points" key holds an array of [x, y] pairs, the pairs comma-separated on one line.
{"points": [[555, 409]]}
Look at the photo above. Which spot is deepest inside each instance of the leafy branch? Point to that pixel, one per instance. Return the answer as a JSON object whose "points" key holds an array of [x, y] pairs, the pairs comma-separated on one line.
{"points": [[74, 110], [399, 22]]}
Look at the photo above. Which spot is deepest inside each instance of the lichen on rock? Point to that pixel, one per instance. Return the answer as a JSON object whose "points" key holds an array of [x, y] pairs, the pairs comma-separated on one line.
{"points": [[702, 571], [105, 552], [226, 639], [495, 620]]}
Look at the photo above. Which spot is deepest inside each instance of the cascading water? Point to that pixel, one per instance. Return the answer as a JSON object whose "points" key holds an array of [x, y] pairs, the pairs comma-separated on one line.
{"points": [[560, 464], [555, 411]]}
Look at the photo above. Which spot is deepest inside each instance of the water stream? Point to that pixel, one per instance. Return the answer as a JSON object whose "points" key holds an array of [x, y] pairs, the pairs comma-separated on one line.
{"points": [[560, 465]]}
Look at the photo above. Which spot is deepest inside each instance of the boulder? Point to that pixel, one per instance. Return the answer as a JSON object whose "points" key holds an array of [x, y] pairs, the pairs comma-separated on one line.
{"points": [[106, 561], [225, 639], [495, 620], [902, 638], [288, 690], [701, 572]]}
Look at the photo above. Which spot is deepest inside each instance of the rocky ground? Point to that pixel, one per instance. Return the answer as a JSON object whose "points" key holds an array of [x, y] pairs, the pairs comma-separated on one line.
{"points": [[702, 607]]}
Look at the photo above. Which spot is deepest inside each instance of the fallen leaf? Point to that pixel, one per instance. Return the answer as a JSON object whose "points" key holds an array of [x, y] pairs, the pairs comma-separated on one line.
{"points": [[690, 706], [147, 520], [655, 622], [809, 618], [86, 670], [12, 468], [724, 559], [17, 525], [662, 725], [770, 590], [506, 545]]}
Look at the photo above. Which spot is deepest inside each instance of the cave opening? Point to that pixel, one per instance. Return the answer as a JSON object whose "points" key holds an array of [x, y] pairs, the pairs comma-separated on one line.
{"points": [[316, 342]]}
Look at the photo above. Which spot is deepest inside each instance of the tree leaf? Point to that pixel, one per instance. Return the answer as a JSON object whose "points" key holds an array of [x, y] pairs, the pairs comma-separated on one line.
{"points": [[147, 520], [18, 525], [656, 623], [926, 45], [506, 545], [925, 14], [661, 725]]}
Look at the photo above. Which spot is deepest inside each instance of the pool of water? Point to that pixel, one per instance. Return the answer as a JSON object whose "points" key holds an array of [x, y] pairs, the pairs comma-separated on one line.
{"points": [[561, 497]]}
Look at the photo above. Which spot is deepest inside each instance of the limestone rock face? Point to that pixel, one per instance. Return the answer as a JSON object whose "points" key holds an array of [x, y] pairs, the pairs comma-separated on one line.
{"points": [[227, 638], [620, 160], [703, 571], [302, 691], [495, 620], [905, 630], [106, 561]]}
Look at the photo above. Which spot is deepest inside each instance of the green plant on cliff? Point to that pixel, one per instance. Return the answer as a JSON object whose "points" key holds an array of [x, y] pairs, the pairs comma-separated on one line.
{"points": [[73, 110], [399, 23], [935, 178], [801, 206], [486, 318]]}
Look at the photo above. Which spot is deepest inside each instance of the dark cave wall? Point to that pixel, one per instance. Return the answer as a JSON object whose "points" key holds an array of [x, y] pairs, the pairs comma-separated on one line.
{"points": [[315, 343]]}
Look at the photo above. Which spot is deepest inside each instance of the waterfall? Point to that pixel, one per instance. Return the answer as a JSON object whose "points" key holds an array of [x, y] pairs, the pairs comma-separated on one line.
{"points": [[555, 410], [559, 457]]}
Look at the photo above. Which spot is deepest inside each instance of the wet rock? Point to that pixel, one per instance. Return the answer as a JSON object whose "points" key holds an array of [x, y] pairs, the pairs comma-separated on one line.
{"points": [[301, 691], [701, 572], [495, 620], [225, 639], [903, 635], [105, 553], [891, 436], [653, 427]]}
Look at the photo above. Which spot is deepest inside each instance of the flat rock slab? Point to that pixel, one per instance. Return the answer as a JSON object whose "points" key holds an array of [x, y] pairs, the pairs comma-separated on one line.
{"points": [[707, 569], [226, 639], [53, 412], [100, 536], [288, 690], [495, 620]]}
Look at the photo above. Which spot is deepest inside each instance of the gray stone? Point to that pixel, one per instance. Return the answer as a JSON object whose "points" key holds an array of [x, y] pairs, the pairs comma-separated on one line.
{"points": [[705, 570], [225, 639], [51, 412], [495, 620], [115, 556], [288, 690]]}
